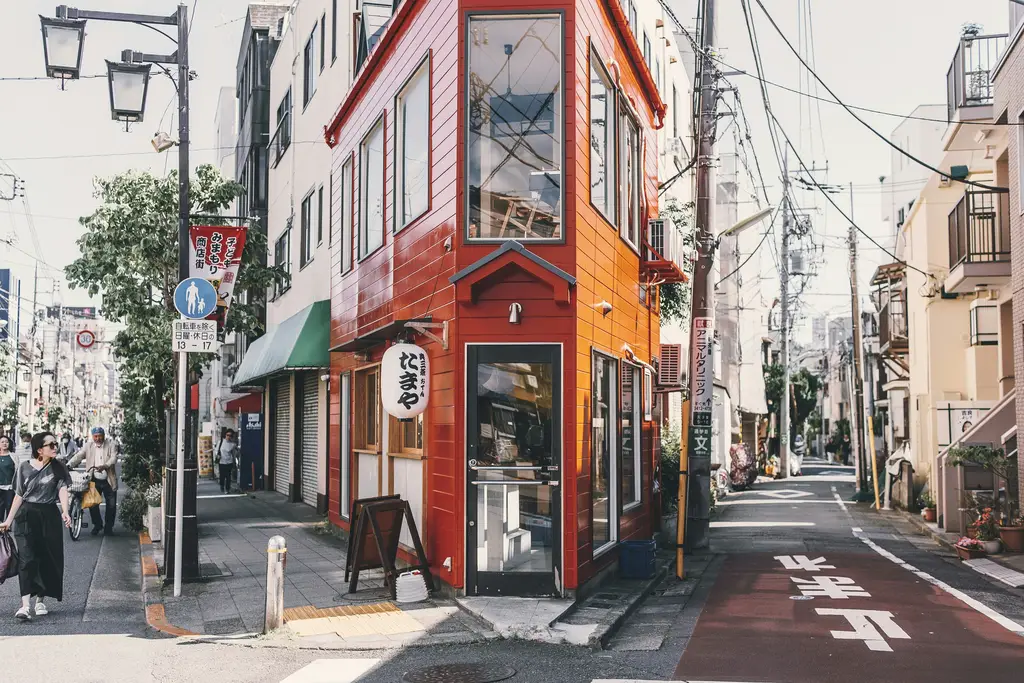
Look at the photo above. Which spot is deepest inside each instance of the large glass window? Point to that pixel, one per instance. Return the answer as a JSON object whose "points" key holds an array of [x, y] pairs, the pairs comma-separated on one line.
{"points": [[629, 418], [306, 230], [283, 259], [629, 179], [345, 207], [602, 493], [309, 70], [515, 106], [412, 144], [371, 225], [602, 139], [367, 410]]}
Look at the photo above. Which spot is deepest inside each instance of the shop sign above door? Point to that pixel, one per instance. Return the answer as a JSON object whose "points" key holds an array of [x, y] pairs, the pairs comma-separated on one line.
{"points": [[404, 380]]}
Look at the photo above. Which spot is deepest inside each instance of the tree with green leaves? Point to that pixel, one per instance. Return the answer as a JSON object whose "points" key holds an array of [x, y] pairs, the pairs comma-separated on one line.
{"points": [[129, 255], [675, 296], [803, 395]]}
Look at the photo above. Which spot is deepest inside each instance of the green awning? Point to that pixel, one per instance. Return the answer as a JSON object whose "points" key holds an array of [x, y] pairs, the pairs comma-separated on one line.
{"points": [[298, 343]]}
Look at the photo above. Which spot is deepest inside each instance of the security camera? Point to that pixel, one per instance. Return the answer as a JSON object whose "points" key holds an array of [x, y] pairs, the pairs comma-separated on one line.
{"points": [[324, 377], [162, 142]]}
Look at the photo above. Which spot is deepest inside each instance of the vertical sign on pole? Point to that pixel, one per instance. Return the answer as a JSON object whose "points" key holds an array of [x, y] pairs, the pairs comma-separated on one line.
{"points": [[215, 256], [701, 406]]}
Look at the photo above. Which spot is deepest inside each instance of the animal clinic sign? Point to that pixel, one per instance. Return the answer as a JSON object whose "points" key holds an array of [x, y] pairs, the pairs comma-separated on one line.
{"points": [[404, 381]]}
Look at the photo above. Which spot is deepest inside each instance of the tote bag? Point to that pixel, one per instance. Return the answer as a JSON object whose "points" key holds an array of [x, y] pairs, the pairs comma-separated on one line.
{"points": [[8, 557], [92, 497]]}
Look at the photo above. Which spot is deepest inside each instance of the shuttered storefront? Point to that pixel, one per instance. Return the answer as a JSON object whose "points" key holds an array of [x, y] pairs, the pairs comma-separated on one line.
{"points": [[310, 436], [282, 431]]}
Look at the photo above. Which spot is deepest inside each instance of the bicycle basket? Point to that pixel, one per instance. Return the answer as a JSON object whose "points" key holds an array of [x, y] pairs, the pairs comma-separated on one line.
{"points": [[79, 482]]}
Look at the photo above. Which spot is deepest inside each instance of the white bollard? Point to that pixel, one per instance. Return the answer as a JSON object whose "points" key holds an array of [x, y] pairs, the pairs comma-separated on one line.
{"points": [[277, 553]]}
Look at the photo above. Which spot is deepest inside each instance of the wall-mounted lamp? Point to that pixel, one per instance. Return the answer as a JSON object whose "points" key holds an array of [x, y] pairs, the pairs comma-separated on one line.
{"points": [[515, 312], [324, 377], [604, 307]]}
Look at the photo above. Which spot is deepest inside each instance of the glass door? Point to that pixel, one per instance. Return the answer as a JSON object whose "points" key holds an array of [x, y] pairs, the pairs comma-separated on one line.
{"points": [[514, 418]]}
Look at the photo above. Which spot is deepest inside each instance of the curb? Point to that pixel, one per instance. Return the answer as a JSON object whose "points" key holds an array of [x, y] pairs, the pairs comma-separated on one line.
{"points": [[156, 615], [599, 640], [923, 527]]}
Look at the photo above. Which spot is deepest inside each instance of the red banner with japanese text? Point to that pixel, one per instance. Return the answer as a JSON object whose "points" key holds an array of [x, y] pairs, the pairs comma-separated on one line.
{"points": [[215, 254]]}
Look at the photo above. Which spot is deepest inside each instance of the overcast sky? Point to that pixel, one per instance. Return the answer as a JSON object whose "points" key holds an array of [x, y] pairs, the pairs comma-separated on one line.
{"points": [[885, 54]]}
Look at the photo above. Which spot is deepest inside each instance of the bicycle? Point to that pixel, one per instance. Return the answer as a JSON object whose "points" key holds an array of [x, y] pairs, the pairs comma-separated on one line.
{"points": [[79, 485]]}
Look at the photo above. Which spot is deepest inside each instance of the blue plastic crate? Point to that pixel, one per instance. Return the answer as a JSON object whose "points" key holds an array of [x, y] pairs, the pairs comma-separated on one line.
{"points": [[637, 559]]}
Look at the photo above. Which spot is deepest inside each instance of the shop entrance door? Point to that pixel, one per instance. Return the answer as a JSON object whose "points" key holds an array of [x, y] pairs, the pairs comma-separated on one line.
{"points": [[514, 455]]}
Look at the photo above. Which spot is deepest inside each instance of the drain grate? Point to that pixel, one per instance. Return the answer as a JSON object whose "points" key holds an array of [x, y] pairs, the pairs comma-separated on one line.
{"points": [[371, 595], [460, 673]]}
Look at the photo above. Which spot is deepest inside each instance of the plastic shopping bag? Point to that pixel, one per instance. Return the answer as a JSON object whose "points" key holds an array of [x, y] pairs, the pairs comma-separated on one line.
{"points": [[8, 556], [91, 497]]}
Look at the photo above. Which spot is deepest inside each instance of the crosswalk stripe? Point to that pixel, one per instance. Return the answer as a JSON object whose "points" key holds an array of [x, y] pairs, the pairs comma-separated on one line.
{"points": [[332, 671]]}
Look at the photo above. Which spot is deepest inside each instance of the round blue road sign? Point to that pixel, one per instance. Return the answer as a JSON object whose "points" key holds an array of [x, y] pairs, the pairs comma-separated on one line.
{"points": [[195, 298]]}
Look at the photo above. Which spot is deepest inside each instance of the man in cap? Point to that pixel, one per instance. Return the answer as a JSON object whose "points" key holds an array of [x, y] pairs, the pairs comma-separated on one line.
{"points": [[100, 455]]}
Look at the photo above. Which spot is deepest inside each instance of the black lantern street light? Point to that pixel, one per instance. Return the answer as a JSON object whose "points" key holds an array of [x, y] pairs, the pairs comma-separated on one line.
{"points": [[63, 40], [128, 82]]}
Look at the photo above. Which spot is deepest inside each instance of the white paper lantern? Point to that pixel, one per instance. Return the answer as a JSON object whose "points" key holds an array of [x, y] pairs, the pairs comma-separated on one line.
{"points": [[404, 381]]}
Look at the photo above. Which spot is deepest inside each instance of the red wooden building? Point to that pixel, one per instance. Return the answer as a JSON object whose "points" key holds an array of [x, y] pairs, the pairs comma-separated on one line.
{"points": [[494, 185]]}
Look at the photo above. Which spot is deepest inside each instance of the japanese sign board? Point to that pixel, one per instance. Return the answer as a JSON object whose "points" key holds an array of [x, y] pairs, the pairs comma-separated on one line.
{"points": [[194, 298], [215, 254], [404, 380], [702, 370], [194, 336]]}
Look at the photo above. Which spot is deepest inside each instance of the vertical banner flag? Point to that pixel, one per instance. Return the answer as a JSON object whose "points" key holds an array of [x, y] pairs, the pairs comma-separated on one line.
{"points": [[215, 253]]}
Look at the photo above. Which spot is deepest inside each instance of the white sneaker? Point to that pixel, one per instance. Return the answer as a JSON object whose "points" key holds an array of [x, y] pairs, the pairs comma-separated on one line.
{"points": [[23, 614], [41, 609]]}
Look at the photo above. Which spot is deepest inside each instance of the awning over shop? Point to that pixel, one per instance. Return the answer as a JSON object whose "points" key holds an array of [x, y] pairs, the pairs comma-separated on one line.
{"points": [[379, 335], [250, 403], [298, 343]]}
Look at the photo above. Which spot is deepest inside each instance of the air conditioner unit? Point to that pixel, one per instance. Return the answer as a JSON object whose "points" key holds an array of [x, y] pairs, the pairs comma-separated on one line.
{"points": [[670, 367]]}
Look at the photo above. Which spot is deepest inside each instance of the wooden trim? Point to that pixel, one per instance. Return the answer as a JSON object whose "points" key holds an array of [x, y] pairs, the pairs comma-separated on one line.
{"points": [[404, 455], [363, 451]]}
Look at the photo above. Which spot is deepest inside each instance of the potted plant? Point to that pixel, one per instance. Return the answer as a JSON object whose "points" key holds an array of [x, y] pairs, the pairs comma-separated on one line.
{"points": [[987, 531], [927, 504], [1012, 535], [969, 548], [154, 511]]}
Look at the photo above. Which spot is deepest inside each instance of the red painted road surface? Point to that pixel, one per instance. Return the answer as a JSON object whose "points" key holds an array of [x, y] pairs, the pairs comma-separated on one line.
{"points": [[751, 629]]}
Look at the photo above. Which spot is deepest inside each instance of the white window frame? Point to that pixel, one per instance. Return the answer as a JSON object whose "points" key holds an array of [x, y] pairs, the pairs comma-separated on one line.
{"points": [[306, 229], [365, 248], [638, 430], [625, 175], [422, 71], [347, 207], [611, 168], [613, 456]]}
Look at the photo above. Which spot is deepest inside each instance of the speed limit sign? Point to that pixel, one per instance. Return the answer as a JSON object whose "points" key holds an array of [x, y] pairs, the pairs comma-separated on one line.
{"points": [[85, 338]]}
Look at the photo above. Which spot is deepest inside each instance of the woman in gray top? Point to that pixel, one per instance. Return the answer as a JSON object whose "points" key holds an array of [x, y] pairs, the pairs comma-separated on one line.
{"points": [[38, 484]]}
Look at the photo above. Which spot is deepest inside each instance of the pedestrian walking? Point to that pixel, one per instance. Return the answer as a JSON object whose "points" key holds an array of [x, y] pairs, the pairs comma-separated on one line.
{"points": [[67, 447], [227, 454], [24, 451], [100, 456], [7, 468], [39, 484]]}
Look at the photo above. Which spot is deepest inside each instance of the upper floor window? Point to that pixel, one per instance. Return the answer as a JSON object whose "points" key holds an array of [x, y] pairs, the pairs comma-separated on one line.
{"points": [[320, 215], [306, 230], [309, 68], [629, 180], [633, 23], [371, 198], [323, 40], [514, 160], [334, 30], [412, 144], [602, 139], [345, 209], [283, 258], [647, 50], [283, 134]]}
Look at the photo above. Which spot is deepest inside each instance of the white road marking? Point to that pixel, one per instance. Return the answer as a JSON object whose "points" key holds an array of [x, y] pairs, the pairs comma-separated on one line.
{"points": [[773, 502], [1008, 624], [802, 562], [755, 525], [835, 587], [223, 495], [997, 571], [332, 671], [863, 629]]}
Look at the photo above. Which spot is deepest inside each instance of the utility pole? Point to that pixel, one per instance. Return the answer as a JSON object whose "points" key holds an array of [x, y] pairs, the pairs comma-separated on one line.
{"points": [[857, 386], [784, 325], [32, 354], [701, 377]]}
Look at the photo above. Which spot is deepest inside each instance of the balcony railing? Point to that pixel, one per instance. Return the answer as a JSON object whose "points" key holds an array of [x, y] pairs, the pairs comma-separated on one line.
{"points": [[282, 139], [979, 229], [969, 79], [665, 251], [892, 325]]}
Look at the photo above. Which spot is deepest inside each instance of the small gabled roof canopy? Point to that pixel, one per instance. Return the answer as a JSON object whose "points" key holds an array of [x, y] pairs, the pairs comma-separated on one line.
{"points": [[513, 253], [384, 333], [298, 343]]}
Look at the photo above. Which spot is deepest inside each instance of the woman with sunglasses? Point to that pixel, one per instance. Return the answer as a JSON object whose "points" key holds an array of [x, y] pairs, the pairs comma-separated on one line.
{"points": [[7, 466], [39, 484]]}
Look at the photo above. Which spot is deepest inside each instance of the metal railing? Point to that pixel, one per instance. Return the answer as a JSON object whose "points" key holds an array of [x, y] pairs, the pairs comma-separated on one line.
{"points": [[979, 228], [969, 78], [282, 139], [892, 322]]}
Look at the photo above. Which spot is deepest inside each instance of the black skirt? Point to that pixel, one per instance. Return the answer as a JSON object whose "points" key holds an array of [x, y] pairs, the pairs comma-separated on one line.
{"points": [[39, 533]]}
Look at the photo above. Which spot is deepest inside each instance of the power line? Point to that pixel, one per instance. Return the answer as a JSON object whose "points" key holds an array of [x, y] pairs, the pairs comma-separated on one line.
{"points": [[864, 123], [63, 157], [44, 78]]}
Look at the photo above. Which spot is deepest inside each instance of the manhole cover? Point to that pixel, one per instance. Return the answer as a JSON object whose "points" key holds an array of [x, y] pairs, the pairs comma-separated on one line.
{"points": [[460, 673], [801, 597], [371, 595]]}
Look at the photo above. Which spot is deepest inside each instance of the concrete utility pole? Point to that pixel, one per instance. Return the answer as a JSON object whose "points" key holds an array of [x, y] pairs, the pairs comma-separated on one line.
{"points": [[701, 377], [857, 387], [784, 324]]}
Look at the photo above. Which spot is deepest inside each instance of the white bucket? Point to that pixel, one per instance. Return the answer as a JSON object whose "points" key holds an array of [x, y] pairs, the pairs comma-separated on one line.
{"points": [[410, 587]]}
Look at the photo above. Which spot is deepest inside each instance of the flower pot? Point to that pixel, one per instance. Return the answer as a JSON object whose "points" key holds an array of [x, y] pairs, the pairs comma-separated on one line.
{"points": [[969, 553], [1012, 538], [155, 523], [929, 514], [992, 547]]}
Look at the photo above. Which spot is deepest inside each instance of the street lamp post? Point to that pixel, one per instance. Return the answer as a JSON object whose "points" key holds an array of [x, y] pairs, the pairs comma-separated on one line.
{"points": [[63, 41]]}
